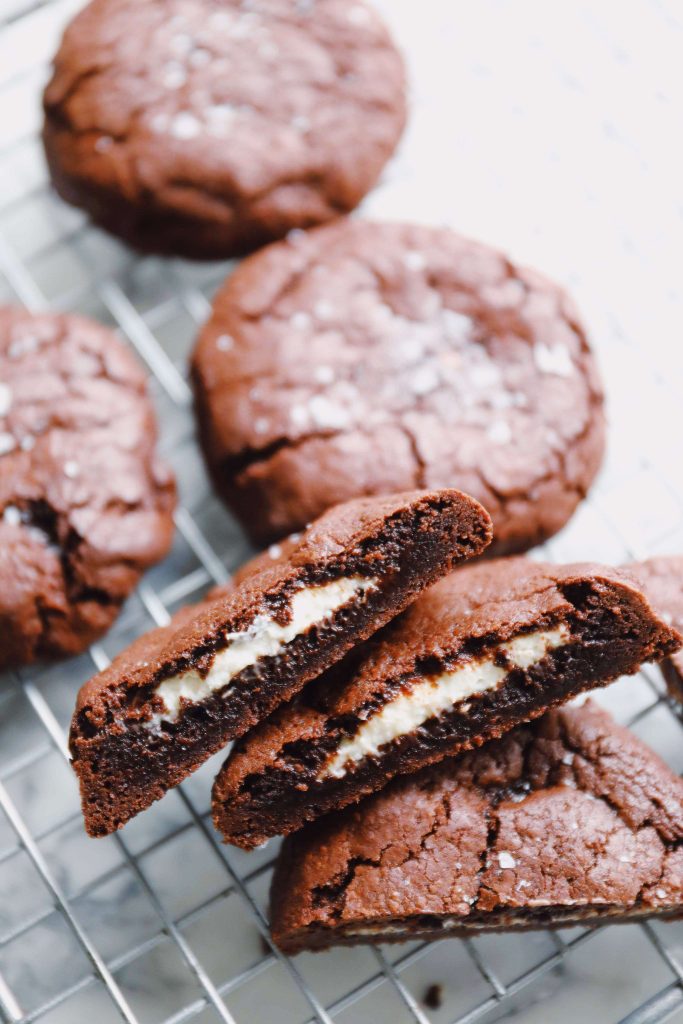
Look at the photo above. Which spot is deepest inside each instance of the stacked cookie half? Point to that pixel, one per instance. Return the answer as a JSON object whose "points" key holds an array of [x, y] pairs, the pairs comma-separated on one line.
{"points": [[356, 661]]}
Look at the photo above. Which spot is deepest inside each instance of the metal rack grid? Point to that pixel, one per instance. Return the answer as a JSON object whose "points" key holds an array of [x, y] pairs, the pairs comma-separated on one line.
{"points": [[161, 923]]}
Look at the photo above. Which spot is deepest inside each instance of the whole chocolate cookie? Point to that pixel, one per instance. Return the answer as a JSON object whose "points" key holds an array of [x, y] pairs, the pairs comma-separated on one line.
{"points": [[85, 505], [568, 821], [182, 692], [205, 128], [361, 358], [491, 645]]}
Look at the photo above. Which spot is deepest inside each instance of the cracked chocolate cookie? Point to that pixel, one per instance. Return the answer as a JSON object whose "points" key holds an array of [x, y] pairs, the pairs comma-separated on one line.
{"points": [[488, 647], [205, 128], [662, 581], [85, 505], [363, 358], [568, 821], [180, 693]]}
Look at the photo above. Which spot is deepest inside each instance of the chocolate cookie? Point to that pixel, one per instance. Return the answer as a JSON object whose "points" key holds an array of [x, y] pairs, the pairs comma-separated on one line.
{"points": [[570, 820], [85, 506], [490, 646], [662, 580], [365, 357], [180, 693], [205, 128]]}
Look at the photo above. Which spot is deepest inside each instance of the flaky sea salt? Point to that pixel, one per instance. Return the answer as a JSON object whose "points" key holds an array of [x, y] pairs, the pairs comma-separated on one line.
{"points": [[185, 125], [12, 515], [7, 443], [500, 432], [414, 260], [327, 414], [5, 399], [324, 374], [506, 860], [553, 359]]}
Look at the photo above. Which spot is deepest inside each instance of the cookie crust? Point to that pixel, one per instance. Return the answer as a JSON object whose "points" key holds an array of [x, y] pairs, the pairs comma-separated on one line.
{"points": [[85, 504], [205, 129], [367, 357]]}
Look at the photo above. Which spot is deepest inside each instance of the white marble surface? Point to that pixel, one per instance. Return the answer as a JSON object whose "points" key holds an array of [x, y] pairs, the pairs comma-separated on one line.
{"points": [[552, 130]]}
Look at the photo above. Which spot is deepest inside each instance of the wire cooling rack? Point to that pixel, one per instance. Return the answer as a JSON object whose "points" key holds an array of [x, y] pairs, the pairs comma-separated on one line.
{"points": [[550, 129]]}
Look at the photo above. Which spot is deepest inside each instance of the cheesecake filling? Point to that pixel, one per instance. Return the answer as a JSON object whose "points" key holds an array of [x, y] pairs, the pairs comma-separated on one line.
{"points": [[264, 638], [434, 695]]}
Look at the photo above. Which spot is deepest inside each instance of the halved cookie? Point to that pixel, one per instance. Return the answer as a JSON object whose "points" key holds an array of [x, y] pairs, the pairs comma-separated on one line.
{"points": [[180, 693], [490, 646], [662, 581], [569, 820]]}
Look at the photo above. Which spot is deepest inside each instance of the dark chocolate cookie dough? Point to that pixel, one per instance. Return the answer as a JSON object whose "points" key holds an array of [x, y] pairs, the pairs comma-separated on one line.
{"points": [[569, 820], [208, 127], [492, 645], [361, 358], [85, 505], [180, 693]]}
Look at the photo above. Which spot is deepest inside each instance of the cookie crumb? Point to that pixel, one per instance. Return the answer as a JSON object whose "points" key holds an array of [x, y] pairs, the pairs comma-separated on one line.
{"points": [[433, 997]]}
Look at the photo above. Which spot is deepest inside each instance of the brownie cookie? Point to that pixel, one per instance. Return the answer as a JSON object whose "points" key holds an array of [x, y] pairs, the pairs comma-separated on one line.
{"points": [[363, 358], [180, 693], [569, 820], [662, 581], [85, 506], [205, 128], [490, 646]]}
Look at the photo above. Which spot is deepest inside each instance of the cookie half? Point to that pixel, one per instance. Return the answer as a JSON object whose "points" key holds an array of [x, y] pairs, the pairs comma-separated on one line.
{"points": [[490, 646], [662, 580], [365, 358], [568, 821], [180, 693], [205, 128], [85, 504]]}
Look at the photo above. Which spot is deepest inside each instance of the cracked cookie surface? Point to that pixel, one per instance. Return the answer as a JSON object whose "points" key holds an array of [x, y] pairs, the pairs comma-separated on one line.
{"points": [[570, 819], [85, 504], [362, 357], [207, 127], [662, 580]]}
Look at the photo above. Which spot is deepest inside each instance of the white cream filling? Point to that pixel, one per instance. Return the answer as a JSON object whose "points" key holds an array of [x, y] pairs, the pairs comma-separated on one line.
{"points": [[265, 638], [431, 697]]}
